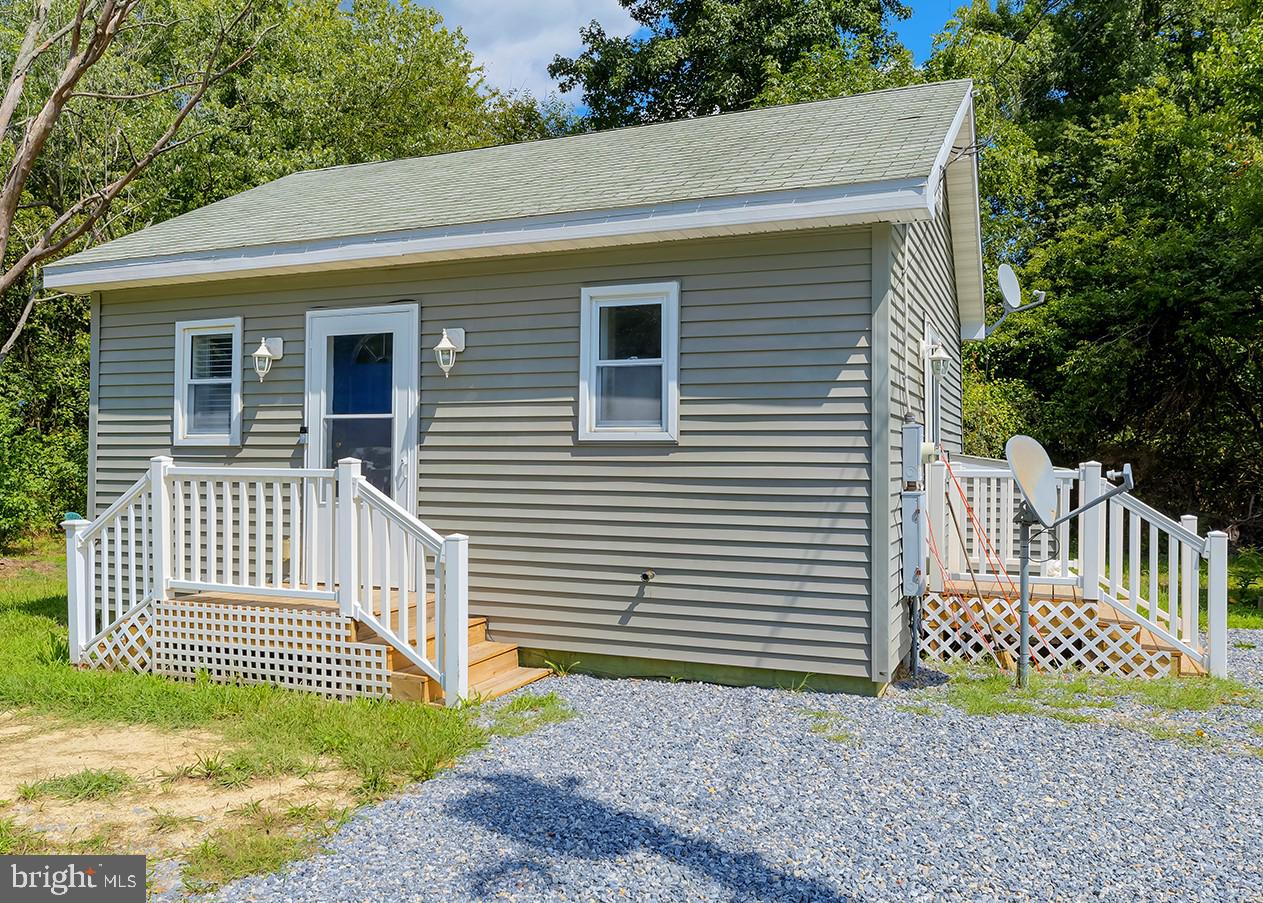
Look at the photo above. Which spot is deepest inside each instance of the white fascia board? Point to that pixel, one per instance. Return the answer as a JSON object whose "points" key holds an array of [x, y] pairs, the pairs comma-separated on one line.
{"points": [[960, 174], [891, 201]]}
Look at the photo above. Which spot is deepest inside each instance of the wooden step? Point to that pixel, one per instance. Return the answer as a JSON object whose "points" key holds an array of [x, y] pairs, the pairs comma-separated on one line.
{"points": [[509, 681]]}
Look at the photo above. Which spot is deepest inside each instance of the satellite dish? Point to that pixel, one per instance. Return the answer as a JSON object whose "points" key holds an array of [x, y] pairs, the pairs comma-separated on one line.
{"points": [[1033, 471], [1009, 288], [1011, 291]]}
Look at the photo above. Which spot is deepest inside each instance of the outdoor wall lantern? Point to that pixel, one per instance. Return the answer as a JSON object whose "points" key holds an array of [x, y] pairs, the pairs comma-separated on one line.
{"points": [[270, 349], [451, 344], [938, 358]]}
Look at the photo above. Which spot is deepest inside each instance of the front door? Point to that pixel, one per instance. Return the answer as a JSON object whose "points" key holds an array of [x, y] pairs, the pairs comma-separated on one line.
{"points": [[362, 376]]}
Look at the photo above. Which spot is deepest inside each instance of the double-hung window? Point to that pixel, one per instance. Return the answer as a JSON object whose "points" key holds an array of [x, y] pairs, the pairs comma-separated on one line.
{"points": [[629, 367], [208, 382]]}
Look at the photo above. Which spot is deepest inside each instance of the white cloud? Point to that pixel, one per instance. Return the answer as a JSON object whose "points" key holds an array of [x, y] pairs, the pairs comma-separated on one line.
{"points": [[515, 40]]}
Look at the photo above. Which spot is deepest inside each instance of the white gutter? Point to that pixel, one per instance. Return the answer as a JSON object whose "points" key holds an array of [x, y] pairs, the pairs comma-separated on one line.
{"points": [[889, 201]]}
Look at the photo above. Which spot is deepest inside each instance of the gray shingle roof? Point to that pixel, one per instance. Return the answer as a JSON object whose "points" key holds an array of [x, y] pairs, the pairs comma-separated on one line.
{"points": [[882, 135]]}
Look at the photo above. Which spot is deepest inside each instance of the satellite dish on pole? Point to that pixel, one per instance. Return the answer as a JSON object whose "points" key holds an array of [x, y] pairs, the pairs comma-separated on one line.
{"points": [[1011, 292], [1033, 471]]}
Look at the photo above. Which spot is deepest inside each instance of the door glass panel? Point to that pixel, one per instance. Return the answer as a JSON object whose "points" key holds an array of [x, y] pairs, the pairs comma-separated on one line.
{"points": [[366, 438], [361, 373]]}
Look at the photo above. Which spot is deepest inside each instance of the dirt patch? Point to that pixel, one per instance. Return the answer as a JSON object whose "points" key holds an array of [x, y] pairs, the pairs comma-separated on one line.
{"points": [[172, 805], [27, 566]]}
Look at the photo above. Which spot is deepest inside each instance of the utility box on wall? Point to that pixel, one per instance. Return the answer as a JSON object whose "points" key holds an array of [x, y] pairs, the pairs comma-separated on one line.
{"points": [[915, 542]]}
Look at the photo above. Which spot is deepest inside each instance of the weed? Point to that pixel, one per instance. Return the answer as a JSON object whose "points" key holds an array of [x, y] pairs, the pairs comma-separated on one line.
{"points": [[16, 840], [918, 709], [1244, 646], [89, 784], [562, 669], [163, 822], [525, 713]]}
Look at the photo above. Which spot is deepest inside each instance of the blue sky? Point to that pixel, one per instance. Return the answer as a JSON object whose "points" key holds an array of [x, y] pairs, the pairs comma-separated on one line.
{"points": [[516, 39]]}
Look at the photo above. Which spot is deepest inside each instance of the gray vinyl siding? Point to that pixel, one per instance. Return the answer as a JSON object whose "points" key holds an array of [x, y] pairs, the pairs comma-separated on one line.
{"points": [[757, 523], [925, 288]]}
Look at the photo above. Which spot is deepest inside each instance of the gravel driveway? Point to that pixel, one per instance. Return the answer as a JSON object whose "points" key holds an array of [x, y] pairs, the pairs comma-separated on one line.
{"points": [[676, 792]]}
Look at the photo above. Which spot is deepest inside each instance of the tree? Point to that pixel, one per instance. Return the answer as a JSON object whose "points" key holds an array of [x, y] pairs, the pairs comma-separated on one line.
{"points": [[708, 56], [62, 47]]}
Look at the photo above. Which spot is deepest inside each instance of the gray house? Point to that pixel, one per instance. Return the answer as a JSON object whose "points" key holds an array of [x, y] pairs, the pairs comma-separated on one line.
{"points": [[665, 405]]}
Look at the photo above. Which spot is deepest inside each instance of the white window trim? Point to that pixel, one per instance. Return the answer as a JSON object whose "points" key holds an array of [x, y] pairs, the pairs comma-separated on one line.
{"points": [[592, 300], [184, 331]]}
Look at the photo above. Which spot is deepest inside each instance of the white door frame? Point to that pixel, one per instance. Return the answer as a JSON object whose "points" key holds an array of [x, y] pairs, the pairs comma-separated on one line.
{"points": [[404, 321]]}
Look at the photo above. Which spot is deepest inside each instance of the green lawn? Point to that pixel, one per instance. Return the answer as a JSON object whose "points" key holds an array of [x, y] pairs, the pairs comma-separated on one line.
{"points": [[266, 731]]}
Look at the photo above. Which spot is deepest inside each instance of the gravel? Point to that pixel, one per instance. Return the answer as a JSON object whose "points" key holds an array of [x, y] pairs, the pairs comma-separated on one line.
{"points": [[677, 792]]}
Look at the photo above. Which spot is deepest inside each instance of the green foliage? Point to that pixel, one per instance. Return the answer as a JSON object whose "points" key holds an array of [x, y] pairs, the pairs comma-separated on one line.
{"points": [[331, 84], [697, 57], [994, 410]]}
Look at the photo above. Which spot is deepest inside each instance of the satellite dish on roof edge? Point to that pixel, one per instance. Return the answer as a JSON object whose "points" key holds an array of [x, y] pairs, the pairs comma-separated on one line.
{"points": [[1011, 292], [1033, 471]]}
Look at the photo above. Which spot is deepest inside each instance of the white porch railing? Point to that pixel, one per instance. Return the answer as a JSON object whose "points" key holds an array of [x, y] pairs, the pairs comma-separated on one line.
{"points": [[309, 534], [1119, 553]]}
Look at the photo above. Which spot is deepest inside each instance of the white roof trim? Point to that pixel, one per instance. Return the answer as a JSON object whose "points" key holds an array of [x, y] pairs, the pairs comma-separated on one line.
{"points": [[890, 201], [959, 172]]}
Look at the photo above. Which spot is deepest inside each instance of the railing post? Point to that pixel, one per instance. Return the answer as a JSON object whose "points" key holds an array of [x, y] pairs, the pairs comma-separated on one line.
{"points": [[348, 543], [936, 510], [78, 587], [1091, 531], [455, 618], [1190, 592], [161, 541], [1217, 604]]}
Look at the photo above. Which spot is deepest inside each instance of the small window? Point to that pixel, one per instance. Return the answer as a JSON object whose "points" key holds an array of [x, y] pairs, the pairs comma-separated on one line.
{"points": [[208, 382], [628, 387]]}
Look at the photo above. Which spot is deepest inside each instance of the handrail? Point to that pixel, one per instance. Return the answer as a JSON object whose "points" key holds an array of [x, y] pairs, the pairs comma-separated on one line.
{"points": [[133, 492], [402, 517], [267, 473], [1131, 503]]}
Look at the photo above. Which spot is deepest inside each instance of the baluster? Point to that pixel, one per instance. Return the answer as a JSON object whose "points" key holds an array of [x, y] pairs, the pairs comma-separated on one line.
{"points": [[243, 505], [1154, 607], [1063, 531], [212, 533], [1190, 597], [195, 503], [1115, 546], [1133, 559], [229, 534], [105, 577], [177, 529], [311, 539], [365, 556], [295, 535], [119, 604], [98, 601], [406, 577], [146, 561], [260, 525], [131, 557], [422, 611], [278, 574], [1173, 581], [388, 545]]}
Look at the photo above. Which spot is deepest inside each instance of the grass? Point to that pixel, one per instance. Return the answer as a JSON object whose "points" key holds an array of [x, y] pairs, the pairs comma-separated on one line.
{"points": [[830, 726], [89, 784], [265, 731], [524, 714], [989, 692], [261, 840]]}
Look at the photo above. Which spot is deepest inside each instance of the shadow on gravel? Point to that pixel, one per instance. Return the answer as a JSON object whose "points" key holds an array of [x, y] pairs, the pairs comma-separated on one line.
{"points": [[556, 821]]}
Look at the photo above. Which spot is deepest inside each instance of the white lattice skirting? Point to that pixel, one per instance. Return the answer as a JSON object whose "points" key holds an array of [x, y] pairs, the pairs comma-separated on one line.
{"points": [[1065, 635], [293, 648]]}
